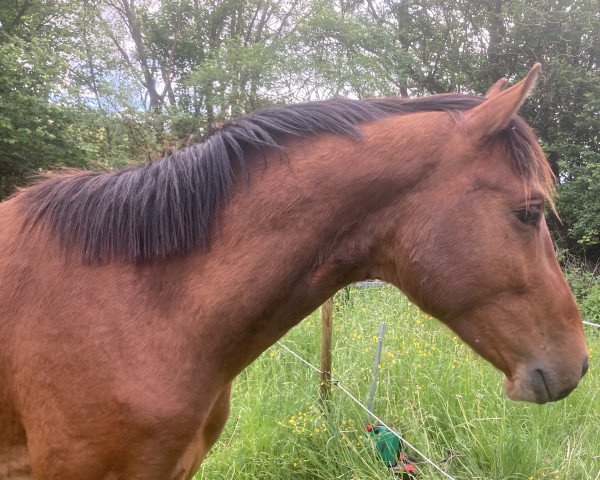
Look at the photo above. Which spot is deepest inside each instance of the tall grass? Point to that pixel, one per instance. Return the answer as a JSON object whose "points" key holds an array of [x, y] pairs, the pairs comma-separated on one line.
{"points": [[432, 389]]}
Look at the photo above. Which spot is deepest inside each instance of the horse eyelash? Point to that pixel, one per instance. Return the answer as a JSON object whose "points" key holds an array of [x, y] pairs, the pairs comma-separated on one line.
{"points": [[530, 216]]}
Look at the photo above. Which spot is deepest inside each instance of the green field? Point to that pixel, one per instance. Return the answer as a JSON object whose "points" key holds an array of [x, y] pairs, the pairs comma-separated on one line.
{"points": [[441, 397]]}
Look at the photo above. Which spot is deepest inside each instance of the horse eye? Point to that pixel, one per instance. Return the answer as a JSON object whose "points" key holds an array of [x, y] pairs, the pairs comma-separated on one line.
{"points": [[531, 215]]}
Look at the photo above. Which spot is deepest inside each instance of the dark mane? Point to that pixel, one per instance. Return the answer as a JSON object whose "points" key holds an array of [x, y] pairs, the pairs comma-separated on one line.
{"points": [[167, 207]]}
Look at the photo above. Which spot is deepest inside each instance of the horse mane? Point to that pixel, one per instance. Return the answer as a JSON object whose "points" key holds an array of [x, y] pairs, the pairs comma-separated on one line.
{"points": [[167, 207]]}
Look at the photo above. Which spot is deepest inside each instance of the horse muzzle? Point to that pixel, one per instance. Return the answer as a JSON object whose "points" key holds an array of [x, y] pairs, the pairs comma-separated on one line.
{"points": [[542, 384]]}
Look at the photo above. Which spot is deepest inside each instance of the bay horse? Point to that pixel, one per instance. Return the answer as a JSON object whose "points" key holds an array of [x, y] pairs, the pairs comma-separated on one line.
{"points": [[130, 300]]}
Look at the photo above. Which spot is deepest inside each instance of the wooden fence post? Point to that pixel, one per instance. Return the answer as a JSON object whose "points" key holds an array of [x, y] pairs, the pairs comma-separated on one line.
{"points": [[326, 336]]}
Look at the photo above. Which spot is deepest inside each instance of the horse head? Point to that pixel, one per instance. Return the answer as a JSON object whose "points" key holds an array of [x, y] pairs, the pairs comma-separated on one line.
{"points": [[473, 249]]}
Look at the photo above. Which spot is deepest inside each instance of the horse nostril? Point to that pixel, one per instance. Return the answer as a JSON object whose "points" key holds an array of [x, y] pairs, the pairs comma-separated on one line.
{"points": [[586, 365]]}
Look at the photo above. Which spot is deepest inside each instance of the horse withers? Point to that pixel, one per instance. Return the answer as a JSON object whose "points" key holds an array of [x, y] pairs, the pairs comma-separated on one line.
{"points": [[130, 300]]}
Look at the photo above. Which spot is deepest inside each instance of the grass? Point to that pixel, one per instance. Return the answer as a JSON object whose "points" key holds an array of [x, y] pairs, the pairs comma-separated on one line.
{"points": [[432, 389]]}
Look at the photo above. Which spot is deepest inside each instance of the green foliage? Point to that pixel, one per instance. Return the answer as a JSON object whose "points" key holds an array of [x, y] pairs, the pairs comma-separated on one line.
{"points": [[590, 306], [569, 122], [581, 276], [585, 284], [579, 200], [36, 130], [581, 280]]}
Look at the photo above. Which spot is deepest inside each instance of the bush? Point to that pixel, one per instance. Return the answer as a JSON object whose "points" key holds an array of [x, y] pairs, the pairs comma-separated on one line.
{"points": [[590, 306], [581, 280], [581, 276]]}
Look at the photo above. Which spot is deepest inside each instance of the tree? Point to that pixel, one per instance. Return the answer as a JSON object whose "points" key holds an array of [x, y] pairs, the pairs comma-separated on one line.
{"points": [[36, 129]]}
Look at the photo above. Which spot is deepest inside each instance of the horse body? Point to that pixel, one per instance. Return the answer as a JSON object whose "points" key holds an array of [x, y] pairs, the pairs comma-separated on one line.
{"points": [[122, 369], [141, 353]]}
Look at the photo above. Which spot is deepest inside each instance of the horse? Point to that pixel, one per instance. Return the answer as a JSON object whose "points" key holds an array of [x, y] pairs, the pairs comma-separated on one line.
{"points": [[131, 299]]}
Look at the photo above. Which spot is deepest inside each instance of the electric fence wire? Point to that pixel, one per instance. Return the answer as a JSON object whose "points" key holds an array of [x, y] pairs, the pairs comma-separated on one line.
{"points": [[369, 412], [591, 324]]}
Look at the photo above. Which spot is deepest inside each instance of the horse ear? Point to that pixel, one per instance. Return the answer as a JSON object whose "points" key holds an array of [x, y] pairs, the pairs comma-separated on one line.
{"points": [[496, 88], [494, 114]]}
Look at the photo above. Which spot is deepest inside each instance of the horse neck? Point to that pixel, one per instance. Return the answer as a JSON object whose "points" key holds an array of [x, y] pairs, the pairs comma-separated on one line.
{"points": [[305, 227]]}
